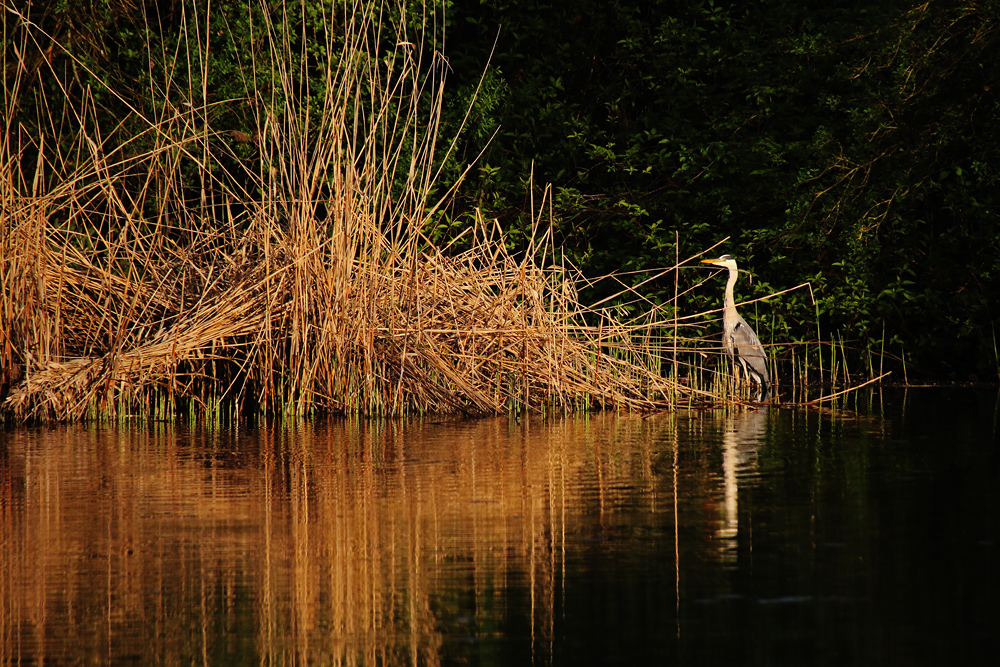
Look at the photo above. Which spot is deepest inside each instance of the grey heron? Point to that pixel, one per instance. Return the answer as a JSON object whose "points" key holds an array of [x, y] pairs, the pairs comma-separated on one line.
{"points": [[738, 338]]}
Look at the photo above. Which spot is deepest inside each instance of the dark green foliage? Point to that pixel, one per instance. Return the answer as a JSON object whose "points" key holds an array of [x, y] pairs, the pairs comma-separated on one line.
{"points": [[853, 146]]}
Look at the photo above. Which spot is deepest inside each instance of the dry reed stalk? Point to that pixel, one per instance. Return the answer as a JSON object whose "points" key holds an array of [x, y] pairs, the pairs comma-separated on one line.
{"points": [[127, 284]]}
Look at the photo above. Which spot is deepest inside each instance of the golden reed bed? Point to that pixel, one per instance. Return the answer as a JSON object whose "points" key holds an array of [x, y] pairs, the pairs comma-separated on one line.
{"points": [[163, 265], [284, 325]]}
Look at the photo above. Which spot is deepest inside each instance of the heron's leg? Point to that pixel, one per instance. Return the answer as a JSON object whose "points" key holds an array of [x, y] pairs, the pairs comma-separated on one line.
{"points": [[742, 374]]}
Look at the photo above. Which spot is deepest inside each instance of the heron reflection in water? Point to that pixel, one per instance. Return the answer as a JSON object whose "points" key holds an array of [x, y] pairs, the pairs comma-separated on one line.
{"points": [[742, 439], [738, 338]]}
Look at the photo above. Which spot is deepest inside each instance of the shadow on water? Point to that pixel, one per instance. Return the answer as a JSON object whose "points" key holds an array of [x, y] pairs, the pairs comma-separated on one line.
{"points": [[771, 537]]}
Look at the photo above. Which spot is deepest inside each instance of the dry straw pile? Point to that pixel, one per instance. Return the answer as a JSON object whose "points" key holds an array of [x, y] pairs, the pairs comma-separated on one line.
{"points": [[140, 276]]}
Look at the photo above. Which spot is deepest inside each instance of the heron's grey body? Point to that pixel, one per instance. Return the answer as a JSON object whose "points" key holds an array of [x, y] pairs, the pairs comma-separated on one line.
{"points": [[738, 338]]}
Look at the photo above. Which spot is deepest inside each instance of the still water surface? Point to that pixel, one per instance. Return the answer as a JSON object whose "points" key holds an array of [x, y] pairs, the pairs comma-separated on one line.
{"points": [[777, 537]]}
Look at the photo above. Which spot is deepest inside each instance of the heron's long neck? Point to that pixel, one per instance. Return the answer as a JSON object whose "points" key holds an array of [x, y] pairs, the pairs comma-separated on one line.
{"points": [[730, 303]]}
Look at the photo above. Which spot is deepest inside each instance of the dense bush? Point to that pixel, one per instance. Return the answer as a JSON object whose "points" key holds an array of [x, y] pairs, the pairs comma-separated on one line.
{"points": [[853, 146]]}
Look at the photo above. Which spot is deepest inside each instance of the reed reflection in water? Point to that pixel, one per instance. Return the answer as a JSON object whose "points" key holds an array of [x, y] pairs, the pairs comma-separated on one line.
{"points": [[345, 542], [491, 541]]}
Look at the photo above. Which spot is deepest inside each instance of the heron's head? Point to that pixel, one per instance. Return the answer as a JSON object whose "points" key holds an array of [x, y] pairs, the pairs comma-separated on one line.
{"points": [[725, 261]]}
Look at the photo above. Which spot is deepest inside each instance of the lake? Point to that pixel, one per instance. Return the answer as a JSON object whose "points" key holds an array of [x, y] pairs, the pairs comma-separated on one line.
{"points": [[859, 534]]}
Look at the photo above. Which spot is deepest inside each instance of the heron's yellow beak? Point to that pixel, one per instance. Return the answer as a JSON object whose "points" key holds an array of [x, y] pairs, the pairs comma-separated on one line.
{"points": [[709, 261]]}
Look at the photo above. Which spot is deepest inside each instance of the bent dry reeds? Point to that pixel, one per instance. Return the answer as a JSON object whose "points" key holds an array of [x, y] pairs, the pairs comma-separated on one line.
{"points": [[286, 326], [477, 333]]}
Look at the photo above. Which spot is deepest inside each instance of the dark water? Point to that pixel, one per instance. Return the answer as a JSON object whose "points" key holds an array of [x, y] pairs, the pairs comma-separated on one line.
{"points": [[863, 536]]}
